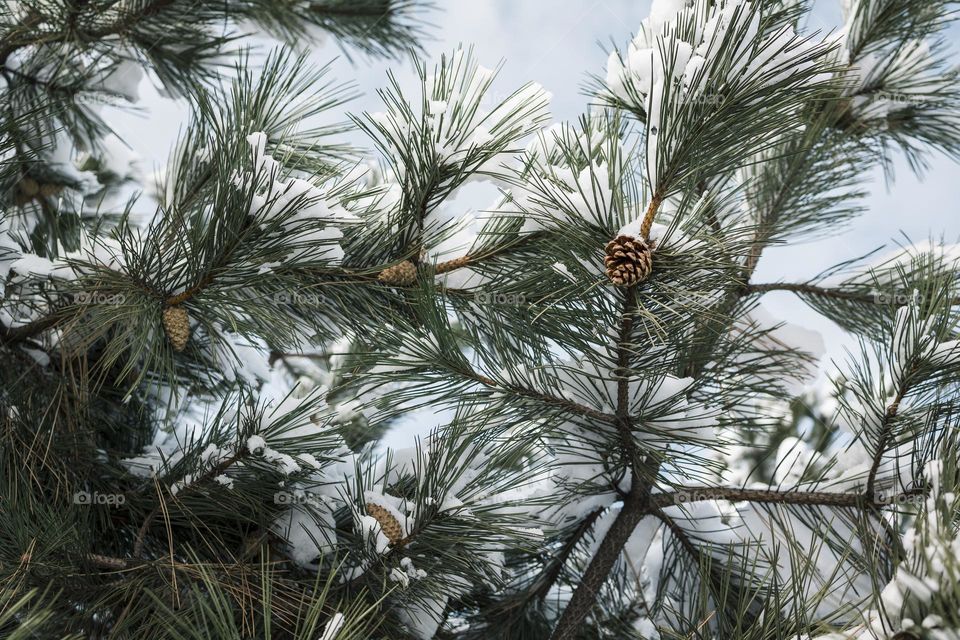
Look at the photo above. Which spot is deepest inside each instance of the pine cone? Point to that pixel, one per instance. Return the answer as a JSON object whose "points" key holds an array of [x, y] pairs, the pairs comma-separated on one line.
{"points": [[399, 275], [628, 261], [48, 190], [176, 323], [29, 187], [388, 522]]}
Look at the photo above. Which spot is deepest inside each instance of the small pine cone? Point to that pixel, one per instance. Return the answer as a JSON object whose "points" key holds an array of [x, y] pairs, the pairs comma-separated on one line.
{"points": [[403, 274], [451, 265], [628, 261], [388, 522], [48, 190], [176, 323], [29, 187]]}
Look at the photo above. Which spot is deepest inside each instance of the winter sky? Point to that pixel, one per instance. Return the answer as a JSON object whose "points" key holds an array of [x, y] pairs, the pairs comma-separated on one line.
{"points": [[557, 43]]}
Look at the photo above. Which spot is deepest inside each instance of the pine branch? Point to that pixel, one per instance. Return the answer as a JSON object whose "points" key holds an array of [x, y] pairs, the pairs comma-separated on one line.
{"points": [[680, 534], [772, 209], [542, 397], [207, 477], [635, 503], [118, 27], [471, 260], [886, 432], [770, 496], [826, 292], [130, 20], [551, 573], [634, 509], [584, 597], [810, 289], [13, 43], [11, 336], [107, 562], [650, 214]]}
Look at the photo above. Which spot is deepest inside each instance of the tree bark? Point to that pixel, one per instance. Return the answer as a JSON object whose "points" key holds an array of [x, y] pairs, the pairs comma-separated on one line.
{"points": [[634, 508]]}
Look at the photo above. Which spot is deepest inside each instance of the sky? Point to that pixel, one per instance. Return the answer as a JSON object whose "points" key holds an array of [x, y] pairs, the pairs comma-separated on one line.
{"points": [[558, 43]]}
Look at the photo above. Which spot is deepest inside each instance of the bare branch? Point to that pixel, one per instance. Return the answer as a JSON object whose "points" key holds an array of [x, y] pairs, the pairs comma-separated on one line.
{"points": [[826, 292], [772, 496], [635, 503]]}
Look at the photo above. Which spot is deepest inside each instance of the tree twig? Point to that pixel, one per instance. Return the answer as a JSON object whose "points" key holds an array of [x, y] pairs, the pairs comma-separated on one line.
{"points": [[549, 575], [825, 292], [635, 502], [772, 496], [886, 431], [470, 260], [543, 397], [211, 473], [585, 595], [648, 217], [14, 335]]}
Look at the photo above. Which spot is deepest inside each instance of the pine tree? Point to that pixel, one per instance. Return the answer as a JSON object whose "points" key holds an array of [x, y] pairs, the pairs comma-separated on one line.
{"points": [[627, 445]]}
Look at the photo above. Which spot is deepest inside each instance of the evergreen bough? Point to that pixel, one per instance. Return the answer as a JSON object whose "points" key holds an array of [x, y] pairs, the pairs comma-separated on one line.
{"points": [[192, 404]]}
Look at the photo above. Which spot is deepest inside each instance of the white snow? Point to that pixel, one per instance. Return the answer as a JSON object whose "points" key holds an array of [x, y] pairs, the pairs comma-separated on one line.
{"points": [[657, 59], [307, 533], [37, 266], [256, 443], [332, 627], [301, 201], [423, 617]]}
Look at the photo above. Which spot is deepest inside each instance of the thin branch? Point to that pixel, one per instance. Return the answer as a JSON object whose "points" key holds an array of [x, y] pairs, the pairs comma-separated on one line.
{"points": [[106, 562], [210, 474], [130, 20], [583, 599], [771, 496], [31, 21], [649, 215], [679, 533], [548, 576], [635, 503], [14, 335], [118, 27], [810, 289], [542, 397], [470, 260], [886, 432]]}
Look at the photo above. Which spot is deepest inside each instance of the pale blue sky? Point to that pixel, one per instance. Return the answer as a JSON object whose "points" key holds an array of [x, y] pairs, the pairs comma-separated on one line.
{"points": [[558, 43]]}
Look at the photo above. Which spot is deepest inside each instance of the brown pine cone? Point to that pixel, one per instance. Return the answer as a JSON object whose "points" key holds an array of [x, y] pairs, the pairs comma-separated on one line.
{"points": [[628, 260], [402, 274], [176, 323], [48, 190], [29, 187], [388, 522]]}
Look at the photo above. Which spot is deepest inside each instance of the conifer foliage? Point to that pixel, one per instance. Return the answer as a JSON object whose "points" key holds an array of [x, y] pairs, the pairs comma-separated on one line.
{"points": [[627, 444]]}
